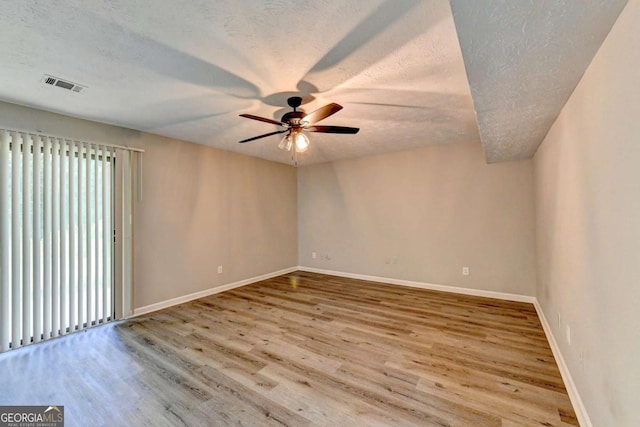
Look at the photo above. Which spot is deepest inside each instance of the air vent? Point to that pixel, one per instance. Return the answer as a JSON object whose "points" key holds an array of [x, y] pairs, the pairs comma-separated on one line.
{"points": [[64, 84]]}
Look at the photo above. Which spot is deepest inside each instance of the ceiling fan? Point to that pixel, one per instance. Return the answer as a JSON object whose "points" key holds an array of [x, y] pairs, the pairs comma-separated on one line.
{"points": [[295, 123]]}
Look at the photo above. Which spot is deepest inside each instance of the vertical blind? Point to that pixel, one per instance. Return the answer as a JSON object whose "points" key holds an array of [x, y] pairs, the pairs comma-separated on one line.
{"points": [[62, 205]]}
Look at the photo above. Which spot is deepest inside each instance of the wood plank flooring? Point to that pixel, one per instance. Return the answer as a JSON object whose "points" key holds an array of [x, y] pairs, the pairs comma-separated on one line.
{"points": [[303, 349]]}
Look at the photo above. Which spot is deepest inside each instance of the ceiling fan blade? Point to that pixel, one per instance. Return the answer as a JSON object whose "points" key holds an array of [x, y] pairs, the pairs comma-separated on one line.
{"points": [[322, 113], [263, 136], [262, 119], [332, 129]]}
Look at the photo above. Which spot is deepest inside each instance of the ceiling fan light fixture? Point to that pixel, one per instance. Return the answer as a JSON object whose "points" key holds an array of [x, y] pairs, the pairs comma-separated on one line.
{"points": [[283, 143], [302, 142], [286, 143]]}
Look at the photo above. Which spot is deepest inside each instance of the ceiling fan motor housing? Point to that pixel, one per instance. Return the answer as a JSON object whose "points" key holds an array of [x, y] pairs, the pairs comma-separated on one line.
{"points": [[293, 118]]}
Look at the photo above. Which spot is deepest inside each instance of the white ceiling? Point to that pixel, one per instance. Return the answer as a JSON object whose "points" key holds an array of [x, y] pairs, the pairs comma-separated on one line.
{"points": [[187, 69], [523, 59]]}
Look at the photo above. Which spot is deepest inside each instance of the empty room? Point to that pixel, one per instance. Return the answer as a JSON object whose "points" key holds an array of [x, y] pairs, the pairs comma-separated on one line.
{"points": [[332, 213]]}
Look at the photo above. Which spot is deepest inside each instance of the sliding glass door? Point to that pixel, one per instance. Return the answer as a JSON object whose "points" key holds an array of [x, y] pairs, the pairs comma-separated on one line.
{"points": [[57, 200]]}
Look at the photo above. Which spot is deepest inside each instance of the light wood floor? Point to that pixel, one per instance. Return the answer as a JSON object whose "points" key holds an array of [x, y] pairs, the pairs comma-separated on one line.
{"points": [[303, 349]]}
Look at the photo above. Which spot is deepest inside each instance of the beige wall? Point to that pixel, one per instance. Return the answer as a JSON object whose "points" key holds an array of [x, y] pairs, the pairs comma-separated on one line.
{"points": [[202, 208], [587, 177], [435, 209]]}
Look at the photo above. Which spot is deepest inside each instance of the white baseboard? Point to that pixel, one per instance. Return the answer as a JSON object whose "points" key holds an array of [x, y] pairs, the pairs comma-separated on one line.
{"points": [[422, 285], [201, 294], [576, 400]]}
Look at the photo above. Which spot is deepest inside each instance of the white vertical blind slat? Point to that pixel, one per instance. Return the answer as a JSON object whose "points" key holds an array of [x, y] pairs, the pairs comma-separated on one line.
{"points": [[27, 330], [73, 312], [37, 238], [96, 238], [55, 237], [82, 283], [16, 243], [89, 237], [64, 297], [5, 244], [127, 223], [106, 265], [47, 246]]}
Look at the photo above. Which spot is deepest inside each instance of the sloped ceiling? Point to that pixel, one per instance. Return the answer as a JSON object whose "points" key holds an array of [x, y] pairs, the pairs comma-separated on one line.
{"points": [[187, 69], [523, 59]]}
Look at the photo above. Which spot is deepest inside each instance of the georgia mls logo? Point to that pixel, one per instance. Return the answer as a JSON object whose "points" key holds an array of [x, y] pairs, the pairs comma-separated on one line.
{"points": [[56, 411], [32, 416]]}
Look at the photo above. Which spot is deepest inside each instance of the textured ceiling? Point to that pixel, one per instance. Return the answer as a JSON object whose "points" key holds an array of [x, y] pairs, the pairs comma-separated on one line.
{"points": [[187, 69], [523, 59]]}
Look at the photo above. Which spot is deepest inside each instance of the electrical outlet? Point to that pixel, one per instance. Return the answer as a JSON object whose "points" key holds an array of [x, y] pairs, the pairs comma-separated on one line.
{"points": [[568, 335], [219, 269], [465, 271], [314, 255]]}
